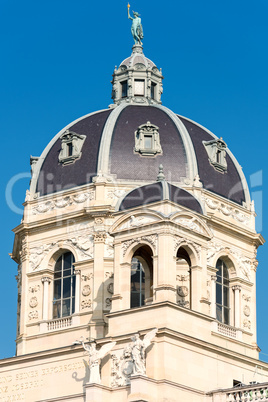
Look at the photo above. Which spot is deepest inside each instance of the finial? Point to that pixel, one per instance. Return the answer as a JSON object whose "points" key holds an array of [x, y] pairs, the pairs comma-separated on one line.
{"points": [[161, 176], [136, 27]]}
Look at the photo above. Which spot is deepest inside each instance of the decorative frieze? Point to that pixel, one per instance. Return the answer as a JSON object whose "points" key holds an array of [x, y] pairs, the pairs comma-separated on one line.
{"points": [[34, 289], [83, 245], [228, 211], [109, 247], [213, 249], [37, 254], [63, 202], [33, 315], [86, 277]]}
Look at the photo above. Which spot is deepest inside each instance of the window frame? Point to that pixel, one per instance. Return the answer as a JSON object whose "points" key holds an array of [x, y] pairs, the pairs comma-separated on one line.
{"points": [[222, 293], [60, 281]]}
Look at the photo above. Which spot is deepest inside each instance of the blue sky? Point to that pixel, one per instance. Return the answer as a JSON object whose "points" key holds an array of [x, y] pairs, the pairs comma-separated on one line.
{"points": [[57, 58]]}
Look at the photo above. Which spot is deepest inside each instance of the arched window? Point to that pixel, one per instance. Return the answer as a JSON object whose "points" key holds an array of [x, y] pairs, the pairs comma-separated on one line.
{"points": [[64, 286], [222, 293], [183, 272], [141, 277]]}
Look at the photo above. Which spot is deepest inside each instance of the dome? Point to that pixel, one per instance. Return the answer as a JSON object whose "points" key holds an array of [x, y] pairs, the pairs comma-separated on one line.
{"points": [[128, 142], [159, 191], [137, 57]]}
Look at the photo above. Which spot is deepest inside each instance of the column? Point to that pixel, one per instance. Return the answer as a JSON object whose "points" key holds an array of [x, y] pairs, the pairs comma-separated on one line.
{"points": [[46, 281], [165, 288], [213, 296], [237, 290], [196, 288], [77, 273]]}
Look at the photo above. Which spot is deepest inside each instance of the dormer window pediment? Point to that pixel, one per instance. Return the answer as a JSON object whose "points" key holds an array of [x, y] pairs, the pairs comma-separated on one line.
{"points": [[71, 146], [216, 150]]}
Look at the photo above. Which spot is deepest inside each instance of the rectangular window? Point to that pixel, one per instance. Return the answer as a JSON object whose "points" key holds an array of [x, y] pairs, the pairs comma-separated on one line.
{"points": [[70, 148], [124, 89], [148, 142], [153, 89], [139, 87]]}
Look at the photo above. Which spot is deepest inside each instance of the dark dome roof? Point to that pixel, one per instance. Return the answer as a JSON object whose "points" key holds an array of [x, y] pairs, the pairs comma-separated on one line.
{"points": [[108, 149], [159, 191]]}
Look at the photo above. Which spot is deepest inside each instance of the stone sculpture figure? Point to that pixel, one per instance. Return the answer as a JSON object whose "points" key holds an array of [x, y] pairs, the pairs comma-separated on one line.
{"points": [[136, 28], [138, 348], [95, 357]]}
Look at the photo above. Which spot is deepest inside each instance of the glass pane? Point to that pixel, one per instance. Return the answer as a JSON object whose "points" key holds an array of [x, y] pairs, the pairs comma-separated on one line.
{"points": [[226, 296], [58, 264], [67, 287], [147, 142], [56, 309], [124, 89], [218, 293], [73, 304], [135, 299], [225, 272], [226, 316], [73, 285], [219, 313], [67, 260], [67, 272], [65, 307], [226, 281], [57, 275], [57, 289]]}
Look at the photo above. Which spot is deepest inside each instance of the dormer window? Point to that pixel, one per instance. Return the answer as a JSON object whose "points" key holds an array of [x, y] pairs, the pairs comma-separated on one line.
{"points": [[147, 140], [71, 146], [139, 87], [124, 89], [216, 150]]}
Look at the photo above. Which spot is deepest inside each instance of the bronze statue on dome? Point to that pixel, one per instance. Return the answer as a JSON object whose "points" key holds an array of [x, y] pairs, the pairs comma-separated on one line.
{"points": [[136, 28]]}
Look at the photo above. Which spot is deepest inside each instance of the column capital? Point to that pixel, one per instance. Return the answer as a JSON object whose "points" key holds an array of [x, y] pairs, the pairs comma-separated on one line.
{"points": [[77, 271], [99, 237], [214, 278], [46, 279], [236, 287]]}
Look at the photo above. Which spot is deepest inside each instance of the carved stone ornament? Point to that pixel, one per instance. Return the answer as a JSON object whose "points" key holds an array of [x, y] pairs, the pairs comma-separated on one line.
{"points": [[86, 304], [115, 194], [228, 211], [244, 263], [138, 221], [99, 221], [247, 324], [33, 302], [183, 303], [37, 254], [132, 360], [246, 311], [213, 249], [63, 202], [109, 247], [86, 290], [87, 277], [152, 240], [190, 223], [147, 140], [83, 244], [34, 289], [33, 315], [178, 242], [109, 274], [246, 297], [183, 291], [110, 288], [100, 237], [108, 301]]}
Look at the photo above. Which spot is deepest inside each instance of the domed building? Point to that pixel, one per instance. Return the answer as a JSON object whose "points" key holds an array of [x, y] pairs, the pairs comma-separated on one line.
{"points": [[136, 260]]}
